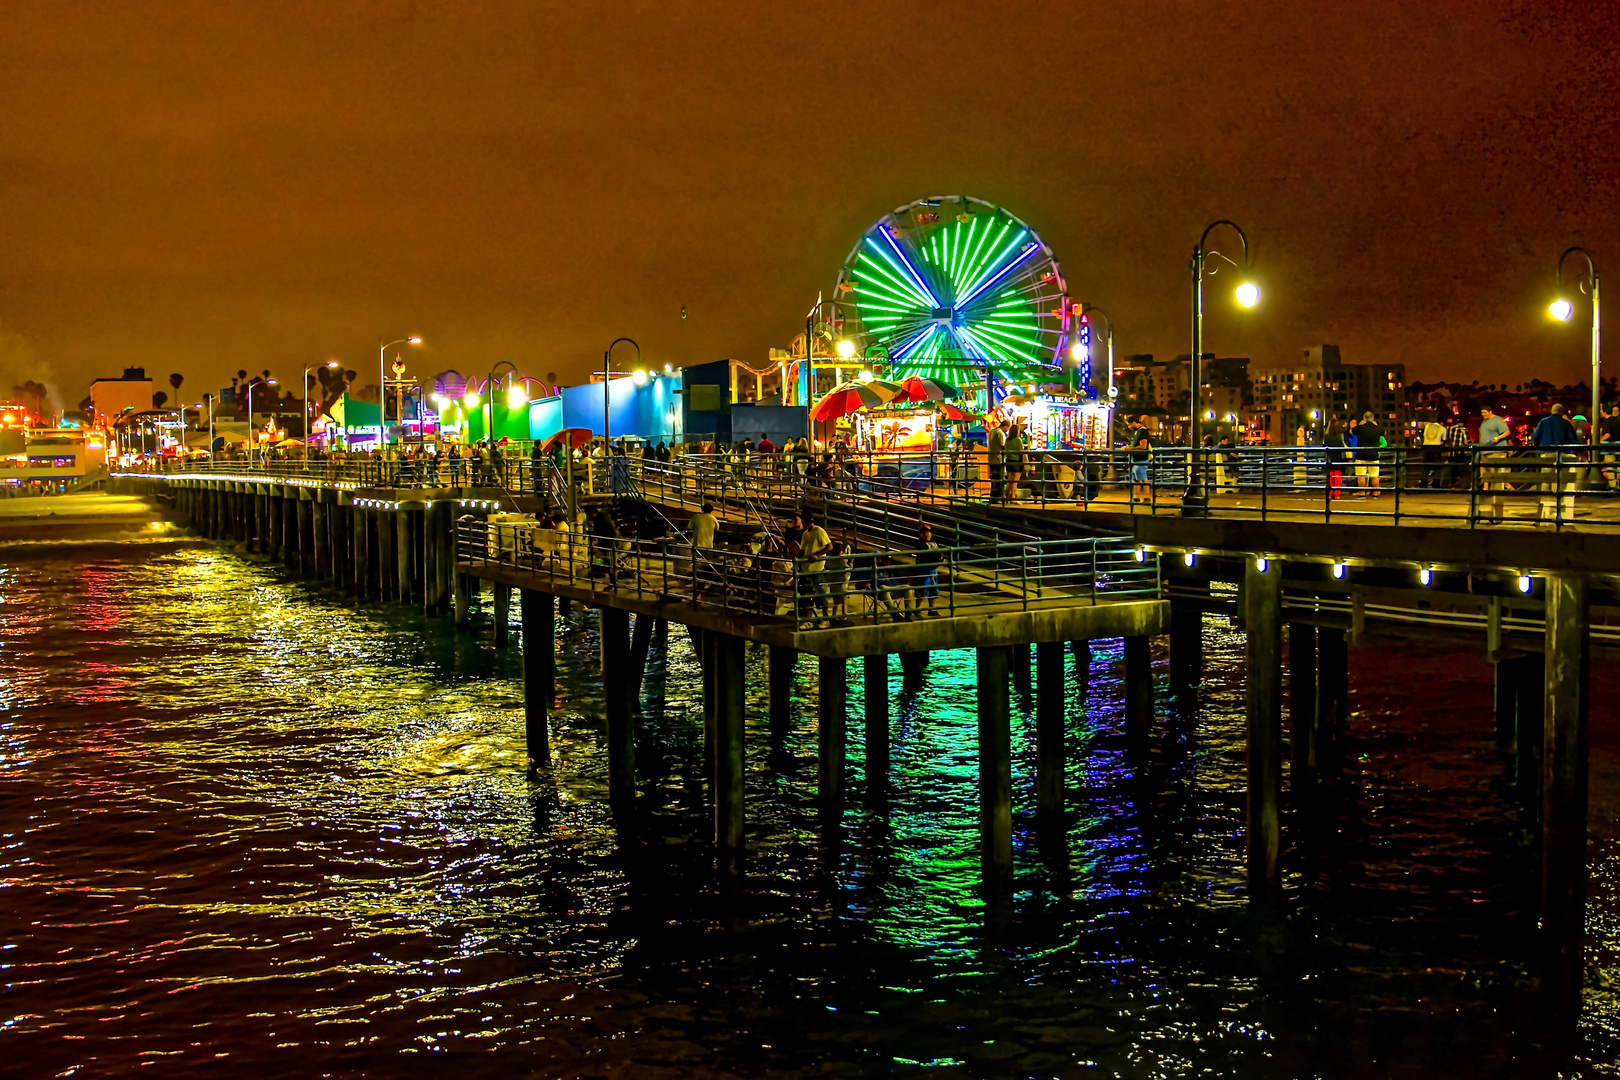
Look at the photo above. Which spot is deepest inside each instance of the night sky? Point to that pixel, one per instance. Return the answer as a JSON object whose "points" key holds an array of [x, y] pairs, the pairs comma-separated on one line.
{"points": [[205, 187]]}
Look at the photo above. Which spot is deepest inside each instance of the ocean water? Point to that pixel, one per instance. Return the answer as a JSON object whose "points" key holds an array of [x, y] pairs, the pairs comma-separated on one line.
{"points": [[251, 829]]}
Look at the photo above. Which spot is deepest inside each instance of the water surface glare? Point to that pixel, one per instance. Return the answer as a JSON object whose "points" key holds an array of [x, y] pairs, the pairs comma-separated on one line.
{"points": [[252, 829]]}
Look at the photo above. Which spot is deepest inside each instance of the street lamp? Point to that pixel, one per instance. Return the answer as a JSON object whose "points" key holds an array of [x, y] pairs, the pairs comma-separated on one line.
{"points": [[1247, 295], [307, 370], [382, 386], [252, 438], [809, 333], [607, 358], [1561, 309]]}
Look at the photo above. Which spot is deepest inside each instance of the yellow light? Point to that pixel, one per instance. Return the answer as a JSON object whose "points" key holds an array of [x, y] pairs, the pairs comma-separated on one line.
{"points": [[1209, 414], [1248, 294], [639, 377], [515, 397], [470, 400], [331, 363], [846, 348], [669, 369], [865, 376], [414, 340], [1561, 309], [440, 400]]}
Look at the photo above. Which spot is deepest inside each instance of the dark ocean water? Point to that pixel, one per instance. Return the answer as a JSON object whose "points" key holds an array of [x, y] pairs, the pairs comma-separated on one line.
{"points": [[252, 830]]}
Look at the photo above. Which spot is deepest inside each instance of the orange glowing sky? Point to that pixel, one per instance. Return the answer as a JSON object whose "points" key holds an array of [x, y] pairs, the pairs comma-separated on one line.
{"points": [[203, 187]]}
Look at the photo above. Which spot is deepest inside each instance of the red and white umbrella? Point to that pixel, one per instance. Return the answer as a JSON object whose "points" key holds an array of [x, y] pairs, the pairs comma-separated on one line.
{"points": [[850, 397]]}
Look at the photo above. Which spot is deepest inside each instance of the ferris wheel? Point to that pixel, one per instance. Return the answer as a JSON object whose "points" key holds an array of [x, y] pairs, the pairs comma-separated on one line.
{"points": [[952, 287]]}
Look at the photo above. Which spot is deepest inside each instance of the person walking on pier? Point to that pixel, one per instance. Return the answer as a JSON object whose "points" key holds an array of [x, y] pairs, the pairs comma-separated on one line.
{"points": [[1140, 450], [1554, 430]]}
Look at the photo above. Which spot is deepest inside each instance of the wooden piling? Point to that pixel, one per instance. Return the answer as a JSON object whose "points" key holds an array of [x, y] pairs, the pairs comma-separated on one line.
{"points": [[781, 662], [1528, 715], [728, 661], [615, 633], [539, 671], [640, 643], [1050, 679], [1564, 788], [1138, 690], [1263, 704], [1332, 695], [503, 616], [875, 669], [1302, 698], [1186, 644], [995, 767], [832, 692]]}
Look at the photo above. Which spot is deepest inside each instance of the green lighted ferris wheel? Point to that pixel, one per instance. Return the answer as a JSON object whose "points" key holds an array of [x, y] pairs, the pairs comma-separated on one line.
{"points": [[959, 289]]}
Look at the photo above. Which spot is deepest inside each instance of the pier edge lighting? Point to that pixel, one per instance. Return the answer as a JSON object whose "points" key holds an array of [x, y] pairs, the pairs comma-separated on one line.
{"points": [[669, 369], [1187, 558], [1561, 309], [1426, 575], [1525, 583], [1338, 568], [1248, 294]]}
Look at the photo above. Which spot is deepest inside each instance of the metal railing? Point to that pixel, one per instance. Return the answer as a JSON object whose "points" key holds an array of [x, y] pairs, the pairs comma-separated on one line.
{"points": [[845, 589]]}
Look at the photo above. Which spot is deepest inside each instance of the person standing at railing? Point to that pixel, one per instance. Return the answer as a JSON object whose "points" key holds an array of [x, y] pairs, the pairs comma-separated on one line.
{"points": [[1608, 441], [1012, 456], [1336, 453], [1370, 442], [996, 450], [925, 584], [702, 529], [814, 544], [1555, 433]]}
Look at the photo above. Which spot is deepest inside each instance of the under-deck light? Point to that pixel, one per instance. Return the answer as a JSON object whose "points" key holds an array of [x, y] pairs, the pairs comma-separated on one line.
{"points": [[1141, 554], [1187, 558], [1338, 569], [1426, 575], [1261, 563], [1525, 583]]}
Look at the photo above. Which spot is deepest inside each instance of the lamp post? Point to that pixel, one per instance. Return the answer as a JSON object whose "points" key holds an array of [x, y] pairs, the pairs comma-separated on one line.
{"points": [[1561, 309], [307, 370], [607, 357], [208, 400], [1247, 295], [382, 385], [489, 392], [809, 335], [252, 440]]}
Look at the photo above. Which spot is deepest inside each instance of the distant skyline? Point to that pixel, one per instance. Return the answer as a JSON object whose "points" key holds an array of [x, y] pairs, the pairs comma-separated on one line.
{"points": [[206, 187]]}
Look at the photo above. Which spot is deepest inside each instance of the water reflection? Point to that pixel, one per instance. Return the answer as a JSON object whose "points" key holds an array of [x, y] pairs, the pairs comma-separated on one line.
{"points": [[301, 824]]}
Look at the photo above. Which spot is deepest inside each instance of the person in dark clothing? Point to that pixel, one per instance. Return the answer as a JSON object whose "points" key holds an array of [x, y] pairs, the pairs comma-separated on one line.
{"points": [[1141, 485], [1555, 430], [1369, 444]]}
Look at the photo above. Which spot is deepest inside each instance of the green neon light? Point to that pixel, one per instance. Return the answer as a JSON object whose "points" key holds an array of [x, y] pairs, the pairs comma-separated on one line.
{"points": [[897, 292], [1008, 341], [902, 271], [961, 247], [898, 277], [995, 264], [976, 262]]}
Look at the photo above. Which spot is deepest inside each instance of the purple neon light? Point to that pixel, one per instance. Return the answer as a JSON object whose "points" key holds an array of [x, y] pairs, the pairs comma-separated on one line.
{"points": [[912, 270], [1003, 272]]}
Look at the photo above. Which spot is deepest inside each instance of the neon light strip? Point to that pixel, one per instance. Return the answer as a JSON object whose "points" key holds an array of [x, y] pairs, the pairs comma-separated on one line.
{"points": [[898, 281], [990, 264], [909, 268], [1005, 337], [900, 352], [1026, 253], [984, 352], [959, 248], [978, 261]]}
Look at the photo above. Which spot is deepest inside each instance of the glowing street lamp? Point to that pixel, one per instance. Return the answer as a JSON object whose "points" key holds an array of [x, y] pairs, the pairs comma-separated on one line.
{"points": [[607, 361], [253, 438], [329, 365], [1247, 295], [846, 348], [1562, 310], [382, 384]]}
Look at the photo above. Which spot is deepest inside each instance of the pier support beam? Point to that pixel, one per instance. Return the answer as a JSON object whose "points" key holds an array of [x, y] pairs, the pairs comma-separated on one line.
{"points": [[1082, 667], [995, 768], [1332, 694], [402, 555], [539, 671], [1301, 703], [621, 737], [503, 616], [912, 666], [387, 554], [1262, 697], [875, 669], [640, 645], [323, 536], [306, 537], [1564, 787], [832, 692], [1049, 710], [360, 528], [1186, 643], [1138, 690], [1528, 715], [726, 669], [780, 663]]}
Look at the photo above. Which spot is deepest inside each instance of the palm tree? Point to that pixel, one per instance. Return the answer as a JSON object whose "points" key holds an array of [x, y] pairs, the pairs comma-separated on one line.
{"points": [[175, 380], [158, 399]]}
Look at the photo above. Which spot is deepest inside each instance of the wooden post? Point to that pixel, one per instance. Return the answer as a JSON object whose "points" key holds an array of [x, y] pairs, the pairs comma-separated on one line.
{"points": [[360, 526], [1332, 694], [1528, 716], [387, 555], [781, 661], [323, 537], [876, 693], [1186, 645], [402, 555], [726, 652], [995, 767], [831, 674], [1564, 788], [1262, 697], [503, 618], [1301, 702], [539, 671], [1138, 690], [306, 536], [640, 643], [615, 625], [1049, 709]]}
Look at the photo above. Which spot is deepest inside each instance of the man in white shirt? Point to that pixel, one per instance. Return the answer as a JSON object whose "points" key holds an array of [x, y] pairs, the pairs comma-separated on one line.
{"points": [[813, 547], [703, 527]]}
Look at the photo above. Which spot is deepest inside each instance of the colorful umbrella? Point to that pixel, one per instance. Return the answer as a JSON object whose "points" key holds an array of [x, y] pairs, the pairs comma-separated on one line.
{"points": [[573, 437], [849, 397], [917, 388], [955, 412]]}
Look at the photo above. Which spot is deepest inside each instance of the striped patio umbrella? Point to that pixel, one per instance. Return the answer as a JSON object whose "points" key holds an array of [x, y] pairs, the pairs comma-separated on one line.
{"points": [[849, 397], [917, 388]]}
